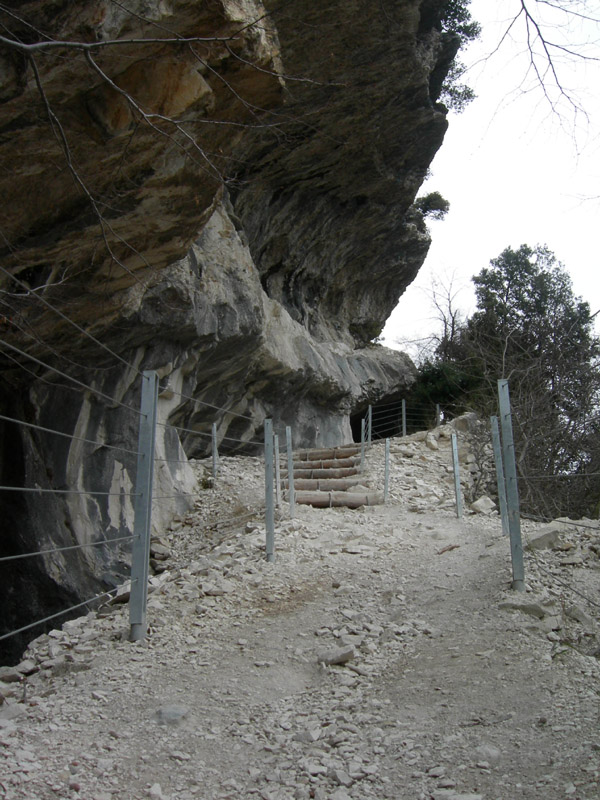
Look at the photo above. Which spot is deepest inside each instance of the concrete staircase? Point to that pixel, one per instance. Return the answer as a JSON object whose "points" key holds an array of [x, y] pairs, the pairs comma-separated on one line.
{"points": [[329, 478]]}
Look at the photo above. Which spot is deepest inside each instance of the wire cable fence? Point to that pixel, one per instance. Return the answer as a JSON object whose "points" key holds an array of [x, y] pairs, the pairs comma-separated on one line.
{"points": [[398, 418], [271, 448], [510, 483], [97, 545], [570, 523], [576, 526], [50, 550], [54, 370], [136, 492], [135, 486], [560, 494], [84, 604]]}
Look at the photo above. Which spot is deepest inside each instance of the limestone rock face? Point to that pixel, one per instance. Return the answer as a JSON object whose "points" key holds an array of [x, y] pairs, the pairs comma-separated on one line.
{"points": [[229, 203], [328, 214]]}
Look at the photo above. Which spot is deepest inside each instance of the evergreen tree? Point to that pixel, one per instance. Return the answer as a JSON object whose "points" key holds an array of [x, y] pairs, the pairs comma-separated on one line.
{"points": [[531, 329]]}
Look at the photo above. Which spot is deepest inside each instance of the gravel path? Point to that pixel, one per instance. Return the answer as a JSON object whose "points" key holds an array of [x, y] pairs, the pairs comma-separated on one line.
{"points": [[443, 690]]}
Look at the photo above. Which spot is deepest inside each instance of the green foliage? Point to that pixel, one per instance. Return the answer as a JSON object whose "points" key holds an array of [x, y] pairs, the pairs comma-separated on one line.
{"points": [[456, 18], [530, 328], [456, 95], [527, 313], [448, 383], [433, 205]]}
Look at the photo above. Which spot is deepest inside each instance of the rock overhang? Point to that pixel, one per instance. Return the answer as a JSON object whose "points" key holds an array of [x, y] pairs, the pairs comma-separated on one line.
{"points": [[249, 252]]}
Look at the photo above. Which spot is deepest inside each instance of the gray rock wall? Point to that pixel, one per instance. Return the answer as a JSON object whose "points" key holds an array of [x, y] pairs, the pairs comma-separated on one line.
{"points": [[249, 250]]}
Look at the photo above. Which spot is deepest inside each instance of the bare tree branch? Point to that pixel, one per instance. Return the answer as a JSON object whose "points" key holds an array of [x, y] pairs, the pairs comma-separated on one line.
{"points": [[544, 42], [88, 47]]}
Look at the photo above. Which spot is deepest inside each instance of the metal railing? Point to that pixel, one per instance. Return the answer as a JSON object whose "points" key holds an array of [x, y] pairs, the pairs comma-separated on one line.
{"points": [[142, 495], [145, 456], [398, 418], [507, 479], [380, 422]]}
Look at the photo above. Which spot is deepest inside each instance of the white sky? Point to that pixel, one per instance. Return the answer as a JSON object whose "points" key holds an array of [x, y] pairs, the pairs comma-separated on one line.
{"points": [[513, 172]]}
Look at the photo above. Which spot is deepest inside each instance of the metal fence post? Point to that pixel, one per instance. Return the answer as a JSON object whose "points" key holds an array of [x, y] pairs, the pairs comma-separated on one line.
{"points": [[140, 553], [438, 415], [290, 470], [370, 425], [386, 482], [277, 473], [269, 504], [215, 452], [362, 444], [512, 489], [404, 418], [501, 483], [457, 492]]}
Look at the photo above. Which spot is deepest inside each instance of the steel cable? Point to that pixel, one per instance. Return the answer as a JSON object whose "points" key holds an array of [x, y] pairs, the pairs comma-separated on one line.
{"points": [[549, 477], [67, 435], [70, 378], [69, 547], [211, 405], [58, 614], [207, 435], [37, 490], [572, 523], [70, 321]]}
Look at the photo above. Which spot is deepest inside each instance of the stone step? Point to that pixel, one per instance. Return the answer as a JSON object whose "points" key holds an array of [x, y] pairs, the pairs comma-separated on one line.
{"points": [[317, 454], [339, 499], [331, 463], [324, 484], [312, 474]]}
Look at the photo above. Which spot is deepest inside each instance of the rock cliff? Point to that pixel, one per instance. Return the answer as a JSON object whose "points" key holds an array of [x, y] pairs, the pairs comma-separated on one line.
{"points": [[221, 191]]}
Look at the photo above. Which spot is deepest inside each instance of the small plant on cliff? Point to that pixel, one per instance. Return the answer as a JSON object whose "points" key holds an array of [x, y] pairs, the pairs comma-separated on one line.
{"points": [[456, 95], [456, 18], [433, 205]]}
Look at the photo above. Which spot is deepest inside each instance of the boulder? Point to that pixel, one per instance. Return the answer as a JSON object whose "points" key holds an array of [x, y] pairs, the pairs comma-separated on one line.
{"points": [[545, 539], [483, 505], [466, 423], [533, 608], [336, 655], [431, 442]]}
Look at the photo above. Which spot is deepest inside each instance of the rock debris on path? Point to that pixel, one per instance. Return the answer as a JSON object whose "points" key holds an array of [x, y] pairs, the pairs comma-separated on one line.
{"points": [[381, 656]]}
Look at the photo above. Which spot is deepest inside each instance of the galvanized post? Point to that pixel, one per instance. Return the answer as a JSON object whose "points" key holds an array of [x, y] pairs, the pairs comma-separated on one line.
{"points": [[501, 483], [386, 483], [290, 470], [362, 444], [404, 418], [277, 473], [215, 452], [438, 415], [457, 492], [140, 553], [269, 504], [370, 425], [512, 489]]}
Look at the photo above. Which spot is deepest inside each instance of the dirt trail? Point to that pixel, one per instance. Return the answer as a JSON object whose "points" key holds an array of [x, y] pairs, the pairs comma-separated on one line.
{"points": [[446, 694]]}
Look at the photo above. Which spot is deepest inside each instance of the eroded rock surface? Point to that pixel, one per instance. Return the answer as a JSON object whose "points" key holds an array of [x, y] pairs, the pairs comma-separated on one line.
{"points": [[234, 212]]}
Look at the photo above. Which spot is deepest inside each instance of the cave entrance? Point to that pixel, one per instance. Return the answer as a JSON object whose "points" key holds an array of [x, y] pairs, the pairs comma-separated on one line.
{"points": [[386, 420]]}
